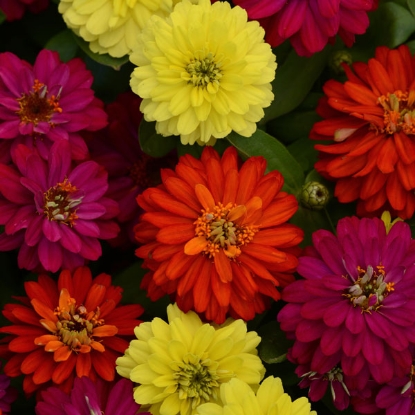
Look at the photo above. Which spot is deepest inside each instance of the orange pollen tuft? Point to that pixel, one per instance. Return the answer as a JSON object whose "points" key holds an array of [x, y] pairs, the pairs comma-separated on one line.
{"points": [[60, 202], [36, 106], [221, 233], [399, 112], [370, 289], [75, 325]]}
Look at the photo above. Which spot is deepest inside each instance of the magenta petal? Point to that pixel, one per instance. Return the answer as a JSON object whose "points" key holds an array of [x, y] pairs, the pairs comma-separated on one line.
{"points": [[50, 255], [331, 340], [34, 231], [9, 129], [21, 218], [352, 365], [28, 257], [9, 242], [292, 18], [70, 240], [352, 344], [336, 314], [51, 230], [88, 211], [355, 321], [86, 228], [91, 248], [373, 348]]}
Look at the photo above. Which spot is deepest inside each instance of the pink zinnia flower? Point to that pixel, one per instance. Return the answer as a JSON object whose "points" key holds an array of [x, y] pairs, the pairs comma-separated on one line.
{"points": [[14, 9], [53, 212], [88, 397], [310, 24], [354, 311], [47, 102]]}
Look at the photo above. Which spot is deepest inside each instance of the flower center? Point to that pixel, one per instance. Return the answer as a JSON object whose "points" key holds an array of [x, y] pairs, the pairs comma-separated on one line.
{"points": [[196, 380], [36, 106], [370, 289], [204, 73], [76, 326], [219, 230], [399, 112], [60, 202]]}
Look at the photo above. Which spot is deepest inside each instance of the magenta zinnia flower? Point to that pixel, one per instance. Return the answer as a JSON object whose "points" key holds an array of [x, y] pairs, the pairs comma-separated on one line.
{"points": [[53, 212], [310, 24], [47, 102], [354, 311], [90, 398], [14, 9]]}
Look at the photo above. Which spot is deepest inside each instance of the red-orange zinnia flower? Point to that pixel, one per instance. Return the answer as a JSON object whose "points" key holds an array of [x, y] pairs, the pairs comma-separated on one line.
{"points": [[72, 327], [215, 235], [371, 119]]}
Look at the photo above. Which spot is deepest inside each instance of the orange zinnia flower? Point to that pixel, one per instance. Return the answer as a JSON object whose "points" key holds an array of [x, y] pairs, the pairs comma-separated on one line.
{"points": [[371, 119], [215, 235], [67, 328]]}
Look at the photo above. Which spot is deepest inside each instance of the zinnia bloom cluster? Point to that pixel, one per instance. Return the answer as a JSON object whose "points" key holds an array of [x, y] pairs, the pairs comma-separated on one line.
{"points": [[238, 398], [90, 398], [72, 327], [215, 236], [53, 211], [181, 364], [15, 9], [310, 24], [112, 26], [370, 120], [47, 102], [352, 315], [203, 72]]}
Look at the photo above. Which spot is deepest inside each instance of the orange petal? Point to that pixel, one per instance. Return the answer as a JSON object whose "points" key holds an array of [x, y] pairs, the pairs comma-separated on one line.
{"points": [[238, 213], [64, 369], [95, 297], [83, 364], [205, 197], [105, 331], [195, 246], [43, 310], [49, 325], [254, 210], [32, 361], [65, 299], [223, 266], [178, 265], [104, 364], [52, 346], [46, 338], [44, 371], [23, 344], [98, 346], [62, 354], [221, 291], [176, 234], [264, 253]]}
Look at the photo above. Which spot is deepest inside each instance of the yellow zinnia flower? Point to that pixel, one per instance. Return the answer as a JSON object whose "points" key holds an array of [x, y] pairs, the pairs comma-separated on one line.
{"points": [[203, 72], [111, 26], [181, 364], [270, 399]]}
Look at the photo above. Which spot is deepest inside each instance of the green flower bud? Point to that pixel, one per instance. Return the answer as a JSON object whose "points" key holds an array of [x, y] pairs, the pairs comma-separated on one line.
{"points": [[314, 195], [336, 60]]}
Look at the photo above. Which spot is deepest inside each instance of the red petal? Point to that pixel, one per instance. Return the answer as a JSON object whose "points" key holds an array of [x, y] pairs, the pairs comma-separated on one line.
{"points": [[176, 234], [83, 364], [223, 266], [64, 369]]}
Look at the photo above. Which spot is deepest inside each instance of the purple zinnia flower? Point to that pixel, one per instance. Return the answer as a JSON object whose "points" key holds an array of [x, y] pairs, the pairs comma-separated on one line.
{"points": [[53, 212], [47, 102], [354, 310], [90, 398], [7, 394]]}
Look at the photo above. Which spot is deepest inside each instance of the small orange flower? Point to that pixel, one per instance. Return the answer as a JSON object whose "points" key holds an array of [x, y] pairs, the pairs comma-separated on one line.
{"points": [[371, 120], [72, 327], [215, 236]]}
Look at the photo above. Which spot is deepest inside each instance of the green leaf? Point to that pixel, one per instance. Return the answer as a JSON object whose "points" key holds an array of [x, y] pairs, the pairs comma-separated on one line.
{"points": [[395, 24], [103, 59], [63, 43], [292, 126], [274, 344], [294, 80], [276, 154], [411, 6], [304, 152], [154, 144]]}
